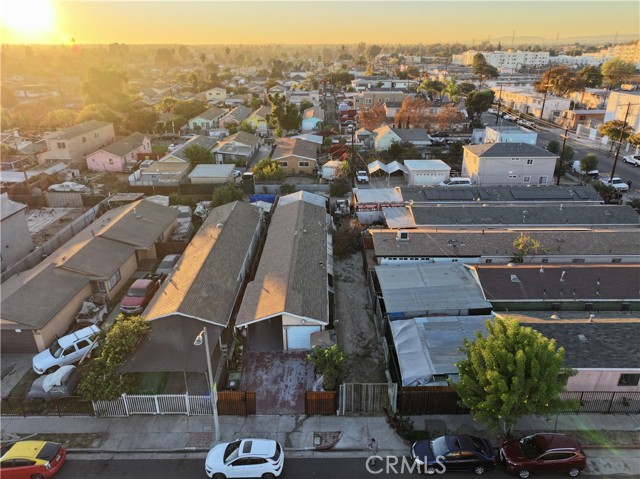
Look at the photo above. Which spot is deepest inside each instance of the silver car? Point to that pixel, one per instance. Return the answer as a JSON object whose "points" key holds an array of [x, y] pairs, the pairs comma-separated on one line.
{"points": [[59, 384]]}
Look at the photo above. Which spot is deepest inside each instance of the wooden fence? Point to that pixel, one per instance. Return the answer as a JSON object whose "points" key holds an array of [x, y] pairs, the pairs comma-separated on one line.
{"points": [[367, 399], [413, 401], [239, 403], [320, 403]]}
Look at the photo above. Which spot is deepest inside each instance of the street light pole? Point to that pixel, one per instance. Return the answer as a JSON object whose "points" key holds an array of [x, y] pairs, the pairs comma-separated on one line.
{"points": [[564, 142], [622, 131], [212, 387]]}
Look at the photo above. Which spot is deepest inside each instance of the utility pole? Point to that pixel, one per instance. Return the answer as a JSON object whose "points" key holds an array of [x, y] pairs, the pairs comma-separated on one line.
{"points": [[499, 103], [564, 142], [622, 130], [544, 100]]}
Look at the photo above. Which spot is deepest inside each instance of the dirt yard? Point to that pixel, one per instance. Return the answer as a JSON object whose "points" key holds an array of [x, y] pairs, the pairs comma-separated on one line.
{"points": [[354, 324]]}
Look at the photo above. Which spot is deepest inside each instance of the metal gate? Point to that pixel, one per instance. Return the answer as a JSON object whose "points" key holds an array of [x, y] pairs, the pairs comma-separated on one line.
{"points": [[367, 399]]}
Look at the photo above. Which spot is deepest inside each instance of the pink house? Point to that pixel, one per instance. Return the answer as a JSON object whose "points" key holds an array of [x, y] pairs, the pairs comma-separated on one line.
{"points": [[235, 116], [114, 156]]}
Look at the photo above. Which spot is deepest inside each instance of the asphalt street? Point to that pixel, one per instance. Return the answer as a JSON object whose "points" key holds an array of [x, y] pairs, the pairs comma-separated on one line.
{"points": [[295, 468]]}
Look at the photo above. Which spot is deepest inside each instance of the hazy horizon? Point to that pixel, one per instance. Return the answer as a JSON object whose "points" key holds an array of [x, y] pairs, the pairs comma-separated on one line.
{"points": [[313, 22]]}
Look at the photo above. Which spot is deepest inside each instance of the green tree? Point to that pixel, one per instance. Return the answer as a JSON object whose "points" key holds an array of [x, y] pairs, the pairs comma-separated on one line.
{"points": [[100, 378], [400, 150], [615, 72], [478, 102], [165, 57], [232, 128], [142, 120], [560, 81], [100, 112], [452, 90], [304, 104], [60, 118], [614, 130], [373, 51], [482, 69], [197, 154], [246, 125], [106, 85], [512, 372], [431, 87], [255, 103], [591, 76], [634, 140], [553, 146], [567, 154], [328, 363], [527, 246], [268, 169], [188, 109], [589, 162], [283, 113], [226, 194]]}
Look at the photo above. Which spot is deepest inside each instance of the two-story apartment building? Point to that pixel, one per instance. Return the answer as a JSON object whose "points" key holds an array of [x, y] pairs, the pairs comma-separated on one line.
{"points": [[508, 164], [372, 97], [72, 144]]}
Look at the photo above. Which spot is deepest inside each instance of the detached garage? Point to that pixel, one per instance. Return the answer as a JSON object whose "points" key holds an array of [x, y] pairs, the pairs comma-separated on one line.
{"points": [[299, 337], [426, 172]]}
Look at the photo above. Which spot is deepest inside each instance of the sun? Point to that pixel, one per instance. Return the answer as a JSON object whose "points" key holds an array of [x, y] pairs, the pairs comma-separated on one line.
{"points": [[28, 20]]}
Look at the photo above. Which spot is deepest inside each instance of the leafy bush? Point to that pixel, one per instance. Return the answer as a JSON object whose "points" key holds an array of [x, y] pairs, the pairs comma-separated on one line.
{"points": [[286, 189], [100, 378], [347, 238], [340, 187], [328, 362], [402, 425]]}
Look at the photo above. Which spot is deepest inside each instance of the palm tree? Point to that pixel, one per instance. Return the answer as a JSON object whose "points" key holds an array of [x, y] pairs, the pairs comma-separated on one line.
{"points": [[203, 59], [452, 90]]}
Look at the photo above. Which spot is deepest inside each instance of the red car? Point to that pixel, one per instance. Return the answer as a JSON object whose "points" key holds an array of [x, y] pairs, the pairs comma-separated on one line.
{"points": [[543, 453], [31, 460], [140, 293]]}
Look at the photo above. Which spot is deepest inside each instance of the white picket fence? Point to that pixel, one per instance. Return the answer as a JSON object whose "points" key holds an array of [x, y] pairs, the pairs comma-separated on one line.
{"points": [[130, 404]]}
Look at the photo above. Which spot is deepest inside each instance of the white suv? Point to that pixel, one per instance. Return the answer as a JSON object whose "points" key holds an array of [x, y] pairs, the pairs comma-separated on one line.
{"points": [[616, 182], [262, 458], [456, 182], [68, 349], [362, 177]]}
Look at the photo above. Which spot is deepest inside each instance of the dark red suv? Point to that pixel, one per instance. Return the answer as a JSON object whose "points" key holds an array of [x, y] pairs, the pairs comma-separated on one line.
{"points": [[543, 453]]}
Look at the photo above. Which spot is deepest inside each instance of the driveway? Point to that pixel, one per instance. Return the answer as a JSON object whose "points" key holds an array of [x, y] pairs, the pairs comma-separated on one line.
{"points": [[279, 379]]}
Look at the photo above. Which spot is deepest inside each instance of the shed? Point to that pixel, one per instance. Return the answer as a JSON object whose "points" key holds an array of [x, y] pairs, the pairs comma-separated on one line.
{"points": [[330, 169], [426, 172], [211, 174]]}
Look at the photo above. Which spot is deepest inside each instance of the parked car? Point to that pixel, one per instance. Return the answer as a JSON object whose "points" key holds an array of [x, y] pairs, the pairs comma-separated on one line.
{"points": [[31, 459], [184, 213], [632, 159], [362, 176], [140, 293], [262, 458], [68, 349], [454, 453], [183, 232], [578, 169], [459, 181], [525, 123], [616, 182], [543, 453], [167, 264], [59, 384], [509, 117]]}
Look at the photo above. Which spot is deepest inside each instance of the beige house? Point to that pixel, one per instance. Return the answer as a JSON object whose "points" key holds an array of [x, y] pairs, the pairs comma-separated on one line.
{"points": [[72, 144], [296, 156], [378, 97], [216, 94], [508, 164]]}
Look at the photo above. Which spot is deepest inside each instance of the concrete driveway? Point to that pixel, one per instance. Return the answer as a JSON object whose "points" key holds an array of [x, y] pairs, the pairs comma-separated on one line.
{"points": [[279, 379]]}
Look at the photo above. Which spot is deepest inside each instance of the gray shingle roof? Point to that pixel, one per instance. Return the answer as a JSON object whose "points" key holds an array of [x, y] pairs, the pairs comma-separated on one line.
{"points": [[205, 282], [211, 113], [411, 134], [508, 150], [500, 243], [526, 215], [242, 137], [77, 130], [141, 224], [9, 207], [565, 194], [292, 274], [240, 113], [44, 296], [593, 282], [125, 145], [295, 147], [203, 141], [100, 258]]}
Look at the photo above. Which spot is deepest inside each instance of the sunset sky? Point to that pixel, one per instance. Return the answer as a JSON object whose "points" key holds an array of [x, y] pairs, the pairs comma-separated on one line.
{"points": [[309, 22]]}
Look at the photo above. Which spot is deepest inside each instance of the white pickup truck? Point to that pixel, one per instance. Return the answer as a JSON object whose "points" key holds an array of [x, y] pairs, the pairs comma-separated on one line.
{"points": [[362, 176]]}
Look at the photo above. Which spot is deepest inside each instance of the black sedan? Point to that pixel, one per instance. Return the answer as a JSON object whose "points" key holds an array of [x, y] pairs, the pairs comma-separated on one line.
{"points": [[454, 453]]}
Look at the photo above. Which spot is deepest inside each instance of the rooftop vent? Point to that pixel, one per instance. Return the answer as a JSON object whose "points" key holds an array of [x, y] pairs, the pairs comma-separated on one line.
{"points": [[582, 338], [515, 279], [562, 276]]}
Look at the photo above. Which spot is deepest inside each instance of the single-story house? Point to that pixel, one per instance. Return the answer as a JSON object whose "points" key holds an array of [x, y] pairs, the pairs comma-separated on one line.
{"points": [[296, 156], [386, 135], [204, 290], [426, 172], [161, 172], [235, 116], [370, 201], [114, 156], [207, 119], [289, 297], [241, 146], [179, 154], [412, 290], [259, 118], [330, 169], [206, 174]]}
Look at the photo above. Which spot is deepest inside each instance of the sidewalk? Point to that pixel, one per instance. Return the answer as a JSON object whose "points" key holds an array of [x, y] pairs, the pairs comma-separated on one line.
{"points": [[182, 436]]}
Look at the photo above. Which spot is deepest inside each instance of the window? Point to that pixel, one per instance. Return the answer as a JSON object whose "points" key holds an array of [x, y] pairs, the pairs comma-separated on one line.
{"points": [[515, 159], [557, 456], [111, 161], [284, 164], [489, 260], [526, 179], [368, 101], [629, 380], [616, 260], [244, 461], [113, 280], [577, 260], [68, 351], [530, 161], [303, 163], [543, 180], [83, 344], [513, 177], [62, 145], [84, 140], [544, 260]]}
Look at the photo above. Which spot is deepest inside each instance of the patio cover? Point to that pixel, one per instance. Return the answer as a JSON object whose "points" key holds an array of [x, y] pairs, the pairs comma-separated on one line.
{"points": [[168, 346]]}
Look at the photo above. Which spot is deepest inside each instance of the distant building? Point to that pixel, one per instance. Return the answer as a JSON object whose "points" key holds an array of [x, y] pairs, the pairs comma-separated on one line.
{"points": [[72, 144]]}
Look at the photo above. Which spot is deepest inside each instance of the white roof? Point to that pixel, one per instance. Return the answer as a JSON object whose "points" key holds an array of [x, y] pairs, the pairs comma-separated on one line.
{"points": [[396, 166], [378, 195], [399, 217], [312, 138], [376, 165], [212, 171], [305, 196], [430, 165], [430, 346]]}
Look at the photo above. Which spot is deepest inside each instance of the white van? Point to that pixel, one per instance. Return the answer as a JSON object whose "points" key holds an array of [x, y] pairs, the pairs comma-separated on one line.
{"points": [[68, 349], [456, 182]]}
